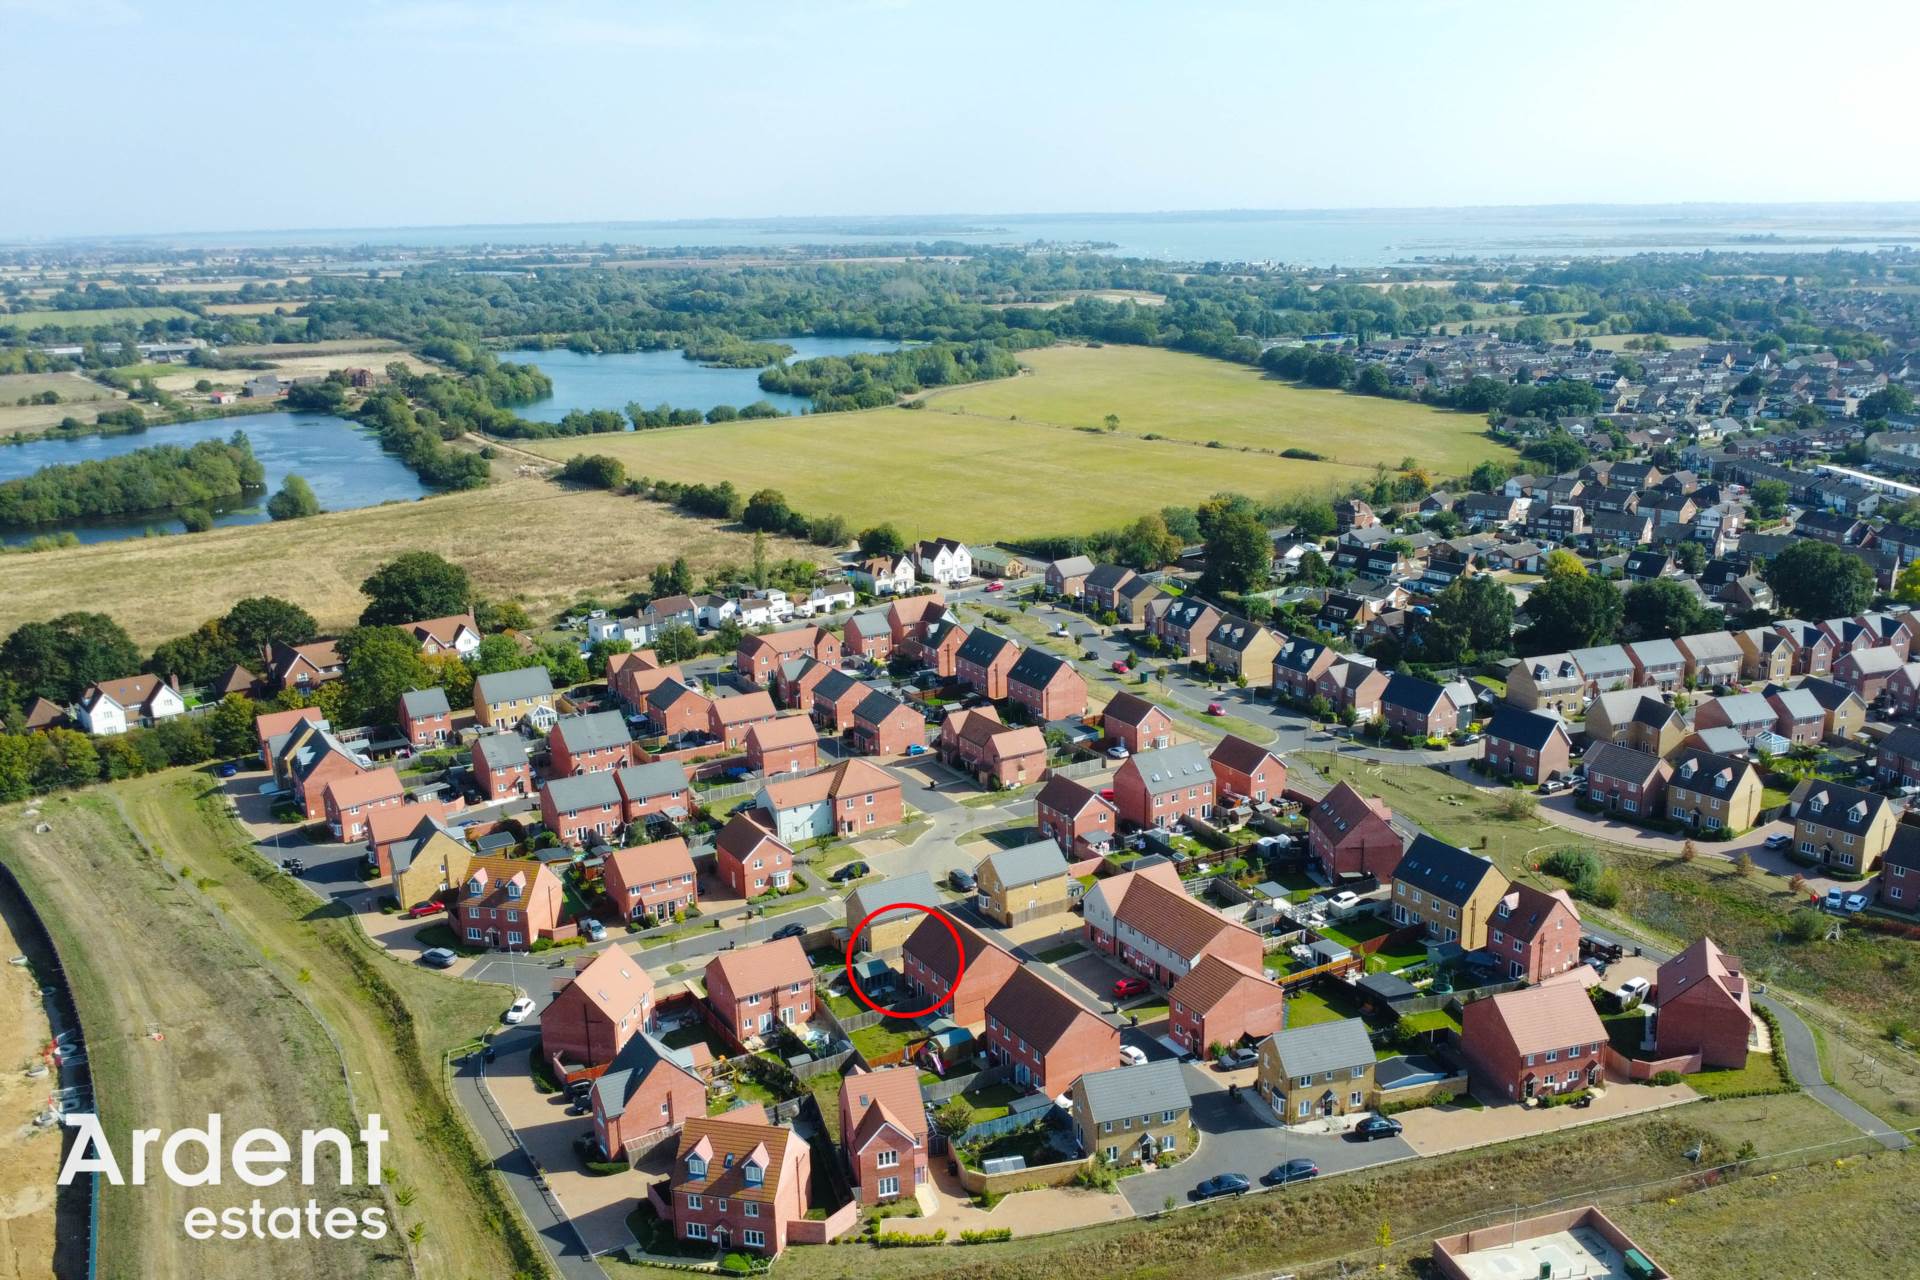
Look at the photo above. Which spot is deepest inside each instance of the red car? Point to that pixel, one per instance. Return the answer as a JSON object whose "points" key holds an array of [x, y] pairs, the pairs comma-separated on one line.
{"points": [[1124, 987], [1106, 793], [1119, 664], [1215, 709], [431, 907], [996, 586]]}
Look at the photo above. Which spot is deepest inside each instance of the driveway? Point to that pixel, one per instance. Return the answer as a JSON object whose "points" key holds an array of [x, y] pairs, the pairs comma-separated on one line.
{"points": [[1433, 1131], [930, 785], [1239, 1135]]}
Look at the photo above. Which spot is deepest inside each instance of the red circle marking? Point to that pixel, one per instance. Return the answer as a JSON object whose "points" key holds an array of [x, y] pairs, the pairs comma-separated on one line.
{"points": [[959, 952]]}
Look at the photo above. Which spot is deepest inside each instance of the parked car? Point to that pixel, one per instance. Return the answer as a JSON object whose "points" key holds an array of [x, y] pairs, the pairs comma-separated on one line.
{"points": [[1234, 1059], [1118, 751], [915, 749], [1778, 840], [227, 770], [1132, 1055], [518, 1011], [1377, 1127], [595, 931], [1215, 709], [293, 866], [996, 586], [1855, 902], [438, 957], [1120, 665], [1292, 1171], [431, 907], [852, 871], [961, 880], [1106, 793], [794, 930], [1632, 992], [1835, 899], [1126, 987], [1225, 1184]]}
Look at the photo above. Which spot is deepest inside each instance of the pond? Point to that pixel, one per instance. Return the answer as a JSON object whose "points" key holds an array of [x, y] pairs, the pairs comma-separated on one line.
{"points": [[652, 378], [342, 460]]}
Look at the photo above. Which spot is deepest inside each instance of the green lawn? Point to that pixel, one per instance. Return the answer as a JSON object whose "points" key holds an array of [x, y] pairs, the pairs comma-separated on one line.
{"points": [[1321, 1002], [1357, 929], [1029, 477], [1432, 1020], [22, 321], [886, 1036], [1150, 1010], [1759, 1073], [991, 1102], [1055, 955]]}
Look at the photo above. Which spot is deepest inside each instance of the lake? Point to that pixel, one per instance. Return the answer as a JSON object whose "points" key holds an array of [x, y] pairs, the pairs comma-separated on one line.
{"points": [[653, 378], [342, 460]]}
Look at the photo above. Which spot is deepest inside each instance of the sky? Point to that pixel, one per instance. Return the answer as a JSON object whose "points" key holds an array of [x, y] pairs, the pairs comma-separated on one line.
{"points": [[122, 116]]}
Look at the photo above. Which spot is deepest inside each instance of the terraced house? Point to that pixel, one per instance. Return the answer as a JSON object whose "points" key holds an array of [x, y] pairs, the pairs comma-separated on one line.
{"points": [[1184, 628], [1551, 683], [1451, 892], [1044, 1037], [1846, 829], [930, 966], [760, 657], [1297, 667], [729, 718], [973, 739], [1243, 650], [1637, 719], [983, 663]]}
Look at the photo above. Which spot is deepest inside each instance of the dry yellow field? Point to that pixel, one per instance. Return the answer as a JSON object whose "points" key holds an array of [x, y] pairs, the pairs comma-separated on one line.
{"points": [[253, 308], [295, 367], [522, 538]]}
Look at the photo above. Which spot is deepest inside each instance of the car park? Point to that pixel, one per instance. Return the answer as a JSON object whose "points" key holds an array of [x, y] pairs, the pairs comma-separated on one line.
{"points": [[1132, 1056], [438, 957], [1123, 988], [1377, 1127], [518, 1011], [1298, 1170], [1224, 1184]]}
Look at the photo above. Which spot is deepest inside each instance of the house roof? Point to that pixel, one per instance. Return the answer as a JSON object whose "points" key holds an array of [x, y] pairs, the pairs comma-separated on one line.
{"points": [[915, 887], [1212, 980], [835, 685], [1167, 915], [761, 967], [1746, 708], [128, 691], [932, 945], [1187, 613], [743, 835], [729, 1143], [1880, 660], [1905, 849], [1557, 1015], [1124, 1092], [1323, 1046], [1530, 729], [630, 1068], [877, 706], [1035, 668], [1064, 795], [1071, 567], [501, 750], [1026, 864], [888, 1096], [1236, 753], [1529, 909], [612, 982], [1237, 634], [1703, 962], [1707, 773], [740, 707], [1611, 760], [669, 692], [1344, 808], [1038, 1012], [783, 731], [1711, 646], [647, 863], [443, 631], [582, 791], [1719, 739], [594, 731], [1168, 768], [1442, 871], [362, 788], [983, 647], [1411, 693], [1830, 694], [422, 704], [1108, 577], [1298, 653], [1798, 704], [1129, 709], [1654, 654], [1603, 661], [1553, 671], [846, 777], [1840, 808], [655, 778], [513, 686]]}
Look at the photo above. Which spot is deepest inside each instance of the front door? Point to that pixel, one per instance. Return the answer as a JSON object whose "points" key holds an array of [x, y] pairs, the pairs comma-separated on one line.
{"points": [[1528, 1086]]}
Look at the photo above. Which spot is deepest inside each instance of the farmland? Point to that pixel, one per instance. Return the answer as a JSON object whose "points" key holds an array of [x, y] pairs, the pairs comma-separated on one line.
{"points": [[104, 317], [520, 538], [997, 460]]}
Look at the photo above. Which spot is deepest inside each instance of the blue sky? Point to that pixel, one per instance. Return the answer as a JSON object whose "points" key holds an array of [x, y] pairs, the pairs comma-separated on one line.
{"points": [[128, 116]]}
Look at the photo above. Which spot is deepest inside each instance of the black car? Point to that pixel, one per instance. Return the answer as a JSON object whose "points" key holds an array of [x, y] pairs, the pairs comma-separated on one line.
{"points": [[852, 871], [794, 930], [1291, 1171], [1376, 1127], [961, 880], [1225, 1184]]}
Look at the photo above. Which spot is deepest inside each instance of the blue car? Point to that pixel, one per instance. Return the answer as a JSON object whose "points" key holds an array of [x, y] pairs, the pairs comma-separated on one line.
{"points": [[227, 770], [1225, 1184]]}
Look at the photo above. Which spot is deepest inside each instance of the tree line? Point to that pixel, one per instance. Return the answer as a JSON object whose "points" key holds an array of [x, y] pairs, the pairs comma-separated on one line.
{"points": [[147, 481]]}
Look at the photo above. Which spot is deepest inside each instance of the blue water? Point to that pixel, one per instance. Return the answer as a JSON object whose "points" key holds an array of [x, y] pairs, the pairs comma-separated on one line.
{"points": [[1306, 237], [343, 461], [653, 378]]}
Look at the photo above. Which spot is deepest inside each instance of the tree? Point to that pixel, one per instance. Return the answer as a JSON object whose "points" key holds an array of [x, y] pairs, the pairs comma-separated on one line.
{"points": [[258, 621], [1906, 587], [1312, 518], [1147, 543], [453, 674], [231, 723], [675, 579], [196, 519], [1239, 557], [418, 584], [1373, 380], [1813, 579], [1472, 618], [58, 659], [1662, 610], [294, 501], [953, 1117], [1890, 401], [1489, 475], [1769, 497], [881, 540], [379, 664], [766, 511], [1691, 556], [676, 642], [1571, 613], [497, 653], [65, 758], [594, 471], [1562, 563], [1111, 422]]}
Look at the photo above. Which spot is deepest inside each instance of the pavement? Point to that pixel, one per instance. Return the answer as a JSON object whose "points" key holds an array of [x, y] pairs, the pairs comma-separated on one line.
{"points": [[1433, 1131], [1026, 1213], [1803, 1055]]}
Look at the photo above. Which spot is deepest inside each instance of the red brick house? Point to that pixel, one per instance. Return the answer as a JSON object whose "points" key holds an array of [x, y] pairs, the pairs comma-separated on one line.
{"points": [[582, 809], [1420, 708], [1813, 651], [1352, 835], [1100, 592], [835, 696], [1534, 934], [274, 724], [1048, 687], [390, 824], [500, 766], [597, 742], [729, 718], [1704, 1006], [785, 744], [1243, 771], [1218, 1002], [506, 903], [674, 709], [349, 801], [1068, 576], [973, 739], [1529, 745], [660, 787], [929, 964], [1146, 920], [939, 650], [1074, 816], [1902, 691], [749, 860], [885, 726], [738, 1182], [652, 880], [1533, 1042], [645, 1094], [1353, 685], [1045, 1037], [883, 1126], [797, 680], [756, 988], [1626, 781], [1867, 671], [908, 617], [1136, 724], [1298, 666], [1183, 629], [632, 676], [983, 662], [425, 717], [1157, 788], [607, 1001], [867, 636], [759, 657], [314, 760]]}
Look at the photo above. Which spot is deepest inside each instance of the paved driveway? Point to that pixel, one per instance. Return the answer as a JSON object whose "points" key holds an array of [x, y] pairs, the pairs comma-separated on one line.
{"points": [[1433, 1131], [1239, 1135]]}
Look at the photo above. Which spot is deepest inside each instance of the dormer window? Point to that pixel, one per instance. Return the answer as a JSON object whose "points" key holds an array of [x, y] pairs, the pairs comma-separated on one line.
{"points": [[474, 887], [696, 1167], [755, 1175], [513, 890]]}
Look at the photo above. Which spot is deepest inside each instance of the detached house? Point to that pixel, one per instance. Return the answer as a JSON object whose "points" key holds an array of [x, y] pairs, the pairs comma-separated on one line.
{"points": [[1100, 592], [1422, 709], [506, 903], [942, 561], [1157, 788], [646, 1093], [749, 859], [1352, 836], [597, 742], [114, 706], [1022, 883], [754, 989], [1712, 657], [1244, 773], [1048, 687], [1846, 829], [652, 881], [500, 766], [883, 575], [1704, 1005], [509, 699], [1530, 745], [607, 1002], [1534, 934], [425, 717], [1220, 1003], [582, 809], [1635, 718], [1451, 892], [737, 1181], [1714, 792], [1068, 577], [1624, 781], [303, 666], [457, 634], [883, 1126]]}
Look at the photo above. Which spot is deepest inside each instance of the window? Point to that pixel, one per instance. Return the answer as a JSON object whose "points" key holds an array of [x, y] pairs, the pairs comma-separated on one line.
{"points": [[696, 1167], [757, 1239], [752, 1207], [694, 1202], [755, 1175], [1353, 1099], [696, 1231], [1306, 1106], [887, 1159], [1167, 1142], [1166, 1117], [720, 1204], [889, 1187]]}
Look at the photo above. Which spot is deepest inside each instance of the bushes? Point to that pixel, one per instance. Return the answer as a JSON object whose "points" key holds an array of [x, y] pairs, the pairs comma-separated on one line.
{"points": [[986, 1235], [1804, 924], [1667, 1077], [1586, 876], [908, 1240]]}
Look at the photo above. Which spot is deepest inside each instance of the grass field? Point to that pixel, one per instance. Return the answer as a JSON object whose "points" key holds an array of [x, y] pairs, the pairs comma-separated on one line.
{"points": [[521, 538], [963, 467], [21, 321], [393, 1022], [70, 387], [215, 1029]]}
